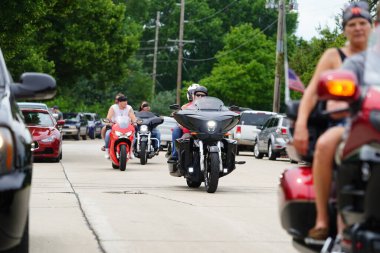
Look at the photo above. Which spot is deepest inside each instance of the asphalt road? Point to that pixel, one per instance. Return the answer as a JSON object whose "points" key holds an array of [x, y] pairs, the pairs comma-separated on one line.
{"points": [[83, 205]]}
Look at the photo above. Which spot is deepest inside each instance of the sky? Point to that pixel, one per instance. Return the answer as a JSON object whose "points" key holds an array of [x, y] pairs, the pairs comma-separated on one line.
{"points": [[314, 13]]}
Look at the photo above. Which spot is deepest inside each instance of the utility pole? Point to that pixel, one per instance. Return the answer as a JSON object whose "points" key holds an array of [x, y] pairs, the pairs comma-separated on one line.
{"points": [[180, 51], [154, 75], [279, 56]]}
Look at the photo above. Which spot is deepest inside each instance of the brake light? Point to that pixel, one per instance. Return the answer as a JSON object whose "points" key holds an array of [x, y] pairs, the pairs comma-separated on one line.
{"points": [[238, 129], [281, 130]]}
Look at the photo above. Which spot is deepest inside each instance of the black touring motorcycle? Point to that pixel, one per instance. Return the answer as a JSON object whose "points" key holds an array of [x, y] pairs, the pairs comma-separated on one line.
{"points": [[206, 154]]}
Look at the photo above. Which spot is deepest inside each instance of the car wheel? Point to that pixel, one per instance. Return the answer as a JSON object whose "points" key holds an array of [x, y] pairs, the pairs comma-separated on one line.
{"points": [[257, 153], [77, 137], [92, 134], [271, 154]]}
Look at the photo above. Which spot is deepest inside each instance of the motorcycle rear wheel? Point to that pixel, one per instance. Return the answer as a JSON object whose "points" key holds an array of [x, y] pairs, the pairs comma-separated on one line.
{"points": [[123, 157], [143, 155], [211, 172]]}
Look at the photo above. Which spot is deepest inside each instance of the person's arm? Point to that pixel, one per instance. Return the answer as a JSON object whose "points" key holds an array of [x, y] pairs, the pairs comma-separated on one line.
{"points": [[309, 100], [110, 113], [132, 115]]}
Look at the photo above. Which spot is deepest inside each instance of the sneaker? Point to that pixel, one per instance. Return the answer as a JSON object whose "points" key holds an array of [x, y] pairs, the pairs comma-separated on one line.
{"points": [[103, 148], [107, 155], [131, 156]]}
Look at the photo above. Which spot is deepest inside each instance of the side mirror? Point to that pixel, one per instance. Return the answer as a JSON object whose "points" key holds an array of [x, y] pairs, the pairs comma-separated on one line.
{"points": [[34, 86], [338, 85], [175, 107]]}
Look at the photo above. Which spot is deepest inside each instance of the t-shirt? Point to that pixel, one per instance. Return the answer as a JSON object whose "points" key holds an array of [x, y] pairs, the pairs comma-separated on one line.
{"points": [[120, 112]]}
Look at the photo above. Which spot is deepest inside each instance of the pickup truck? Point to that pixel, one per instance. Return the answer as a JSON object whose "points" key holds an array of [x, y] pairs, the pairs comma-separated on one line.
{"points": [[246, 130]]}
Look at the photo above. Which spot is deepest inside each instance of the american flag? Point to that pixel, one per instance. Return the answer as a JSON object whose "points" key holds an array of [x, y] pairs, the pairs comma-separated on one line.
{"points": [[294, 81]]}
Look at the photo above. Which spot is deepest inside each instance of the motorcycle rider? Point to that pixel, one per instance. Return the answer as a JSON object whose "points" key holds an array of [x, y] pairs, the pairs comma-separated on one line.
{"points": [[121, 109], [356, 26], [177, 131], [108, 126], [195, 91], [145, 107]]}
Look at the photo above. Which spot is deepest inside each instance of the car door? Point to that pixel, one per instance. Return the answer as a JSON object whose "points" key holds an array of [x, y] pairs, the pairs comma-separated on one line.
{"points": [[266, 133]]}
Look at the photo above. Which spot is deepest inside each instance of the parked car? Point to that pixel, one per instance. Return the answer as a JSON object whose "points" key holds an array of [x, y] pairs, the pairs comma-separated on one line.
{"points": [[166, 130], [94, 125], [47, 138], [75, 125], [272, 139], [16, 155], [248, 127]]}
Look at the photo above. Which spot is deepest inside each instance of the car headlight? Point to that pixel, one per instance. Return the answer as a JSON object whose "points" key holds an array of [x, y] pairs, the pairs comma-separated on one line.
{"points": [[143, 129], [211, 125], [48, 139], [72, 126], [118, 133], [6, 150]]}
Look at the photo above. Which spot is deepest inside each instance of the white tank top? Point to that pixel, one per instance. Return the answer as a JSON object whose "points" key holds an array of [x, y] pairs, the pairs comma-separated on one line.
{"points": [[121, 113]]}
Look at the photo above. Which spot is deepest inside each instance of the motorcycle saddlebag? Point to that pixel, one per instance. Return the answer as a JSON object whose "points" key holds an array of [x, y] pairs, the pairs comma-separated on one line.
{"points": [[229, 151], [297, 201]]}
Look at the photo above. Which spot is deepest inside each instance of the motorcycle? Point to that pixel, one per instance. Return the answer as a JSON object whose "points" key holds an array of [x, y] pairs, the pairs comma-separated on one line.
{"points": [[144, 148], [358, 156], [206, 154], [121, 139]]}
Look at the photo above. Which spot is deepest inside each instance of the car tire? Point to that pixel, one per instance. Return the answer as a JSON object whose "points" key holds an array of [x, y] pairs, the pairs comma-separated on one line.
{"points": [[271, 154], [92, 134], [257, 153], [77, 137]]}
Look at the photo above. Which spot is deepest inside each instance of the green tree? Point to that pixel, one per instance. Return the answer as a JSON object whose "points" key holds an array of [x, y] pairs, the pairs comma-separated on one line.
{"points": [[244, 72]]}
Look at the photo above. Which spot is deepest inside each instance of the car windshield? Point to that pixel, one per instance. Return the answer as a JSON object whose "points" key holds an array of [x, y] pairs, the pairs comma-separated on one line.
{"points": [[208, 103], [254, 119], [38, 119], [70, 116], [89, 117]]}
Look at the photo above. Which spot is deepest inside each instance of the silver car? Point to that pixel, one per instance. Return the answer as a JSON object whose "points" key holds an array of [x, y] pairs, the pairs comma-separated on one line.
{"points": [[272, 139], [166, 130]]}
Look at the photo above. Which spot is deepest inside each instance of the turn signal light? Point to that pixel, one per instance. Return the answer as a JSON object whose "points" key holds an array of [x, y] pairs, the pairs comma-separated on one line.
{"points": [[342, 87], [6, 150]]}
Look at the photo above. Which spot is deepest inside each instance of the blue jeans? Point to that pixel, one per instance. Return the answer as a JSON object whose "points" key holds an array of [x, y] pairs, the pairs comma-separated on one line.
{"points": [[107, 138], [176, 134], [156, 134]]}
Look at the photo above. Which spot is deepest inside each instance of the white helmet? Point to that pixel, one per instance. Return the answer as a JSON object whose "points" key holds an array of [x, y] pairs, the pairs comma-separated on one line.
{"points": [[190, 91]]}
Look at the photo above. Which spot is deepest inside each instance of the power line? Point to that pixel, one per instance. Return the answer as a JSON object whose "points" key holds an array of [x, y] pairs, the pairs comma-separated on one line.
{"points": [[232, 50], [216, 13]]}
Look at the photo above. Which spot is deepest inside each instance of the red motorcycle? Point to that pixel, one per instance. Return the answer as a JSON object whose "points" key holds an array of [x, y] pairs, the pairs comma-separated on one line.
{"points": [[358, 160], [121, 140]]}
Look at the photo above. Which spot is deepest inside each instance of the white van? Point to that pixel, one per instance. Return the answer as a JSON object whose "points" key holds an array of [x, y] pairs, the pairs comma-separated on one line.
{"points": [[246, 130]]}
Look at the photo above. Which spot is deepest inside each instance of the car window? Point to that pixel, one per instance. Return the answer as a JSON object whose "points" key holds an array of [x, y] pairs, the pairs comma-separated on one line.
{"points": [[274, 123], [38, 119], [285, 122], [89, 117], [70, 116], [254, 119], [267, 123]]}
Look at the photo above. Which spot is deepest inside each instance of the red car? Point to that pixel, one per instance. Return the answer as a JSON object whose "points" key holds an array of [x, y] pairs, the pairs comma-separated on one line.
{"points": [[47, 138]]}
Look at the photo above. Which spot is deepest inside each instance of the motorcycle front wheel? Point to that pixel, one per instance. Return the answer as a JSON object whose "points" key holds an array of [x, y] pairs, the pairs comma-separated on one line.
{"points": [[123, 157], [143, 155], [211, 172]]}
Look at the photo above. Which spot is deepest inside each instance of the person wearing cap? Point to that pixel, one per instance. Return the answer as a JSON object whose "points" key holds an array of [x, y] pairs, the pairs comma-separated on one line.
{"points": [[55, 110], [356, 28], [121, 109]]}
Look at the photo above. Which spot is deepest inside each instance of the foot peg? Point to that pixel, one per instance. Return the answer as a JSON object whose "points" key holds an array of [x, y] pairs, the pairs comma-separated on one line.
{"points": [[239, 162]]}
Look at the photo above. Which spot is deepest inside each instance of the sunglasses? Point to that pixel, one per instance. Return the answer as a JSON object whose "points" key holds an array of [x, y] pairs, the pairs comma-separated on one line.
{"points": [[200, 95]]}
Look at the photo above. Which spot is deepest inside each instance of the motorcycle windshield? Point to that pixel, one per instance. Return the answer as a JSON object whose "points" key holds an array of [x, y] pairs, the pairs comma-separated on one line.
{"points": [[207, 104], [123, 122], [372, 63]]}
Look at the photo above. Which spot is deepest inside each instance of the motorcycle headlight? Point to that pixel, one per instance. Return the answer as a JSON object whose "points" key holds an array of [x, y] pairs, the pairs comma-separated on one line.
{"points": [[118, 133], [129, 133], [144, 129], [211, 125], [48, 139], [6, 150]]}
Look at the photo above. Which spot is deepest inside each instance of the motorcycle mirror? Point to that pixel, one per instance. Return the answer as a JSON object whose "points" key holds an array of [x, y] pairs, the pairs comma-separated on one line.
{"points": [[175, 107], [105, 120]]}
